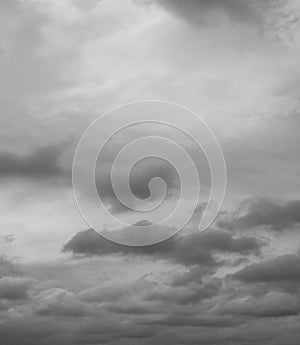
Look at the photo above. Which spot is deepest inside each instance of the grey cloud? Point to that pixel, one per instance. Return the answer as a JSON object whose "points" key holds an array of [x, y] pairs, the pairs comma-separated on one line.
{"points": [[15, 288], [59, 302], [139, 179], [148, 295], [140, 232], [271, 213], [195, 274], [120, 299], [157, 309], [214, 321], [249, 161], [87, 5], [29, 332], [284, 268], [103, 294], [270, 305], [8, 267], [9, 238], [106, 330], [196, 10], [26, 73], [4, 304], [195, 248], [49, 163], [186, 295], [132, 306], [185, 288], [40, 163], [36, 58]]}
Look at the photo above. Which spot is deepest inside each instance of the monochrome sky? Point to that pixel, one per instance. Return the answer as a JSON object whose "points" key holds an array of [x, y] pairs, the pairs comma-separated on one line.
{"points": [[235, 63]]}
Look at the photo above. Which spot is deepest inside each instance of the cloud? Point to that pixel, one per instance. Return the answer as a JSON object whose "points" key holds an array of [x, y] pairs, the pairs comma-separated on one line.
{"points": [[29, 332], [59, 302], [104, 294], [32, 51], [195, 274], [88, 5], [196, 11], [195, 248], [185, 295], [40, 163], [213, 321], [8, 267], [15, 288], [104, 332], [175, 307], [264, 212], [273, 304], [139, 179], [9, 238], [284, 268], [60, 59], [133, 308]]}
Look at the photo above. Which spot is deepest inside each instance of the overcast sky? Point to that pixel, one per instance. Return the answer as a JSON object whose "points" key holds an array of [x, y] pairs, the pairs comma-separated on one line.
{"points": [[235, 63]]}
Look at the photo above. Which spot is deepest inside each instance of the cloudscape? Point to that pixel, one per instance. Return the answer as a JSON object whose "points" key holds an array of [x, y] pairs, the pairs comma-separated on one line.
{"points": [[234, 63]]}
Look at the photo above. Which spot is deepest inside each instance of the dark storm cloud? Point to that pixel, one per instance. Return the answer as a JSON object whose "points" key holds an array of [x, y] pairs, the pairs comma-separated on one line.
{"points": [[284, 268], [195, 248], [40, 163], [14, 288], [195, 10]]}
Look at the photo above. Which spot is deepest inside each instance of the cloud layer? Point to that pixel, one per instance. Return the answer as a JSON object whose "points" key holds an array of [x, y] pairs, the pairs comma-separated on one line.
{"points": [[65, 62]]}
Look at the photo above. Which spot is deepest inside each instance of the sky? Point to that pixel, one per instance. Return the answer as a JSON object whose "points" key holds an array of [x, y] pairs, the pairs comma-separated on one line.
{"points": [[235, 63]]}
